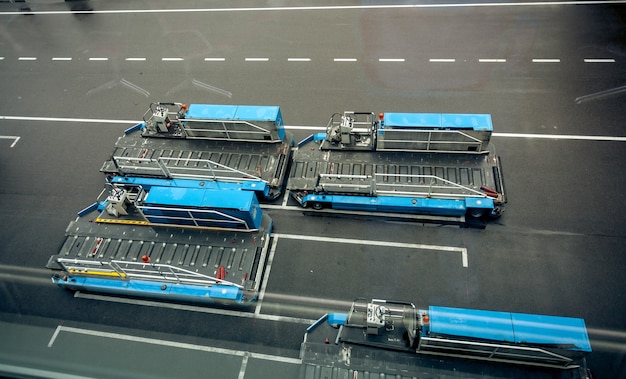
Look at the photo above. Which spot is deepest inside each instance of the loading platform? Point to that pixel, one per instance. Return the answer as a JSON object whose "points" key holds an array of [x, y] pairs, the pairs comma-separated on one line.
{"points": [[212, 160], [172, 263], [206, 141], [407, 163]]}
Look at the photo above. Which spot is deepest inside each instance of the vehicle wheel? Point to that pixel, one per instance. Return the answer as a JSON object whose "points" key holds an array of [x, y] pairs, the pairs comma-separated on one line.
{"points": [[317, 206], [476, 213]]}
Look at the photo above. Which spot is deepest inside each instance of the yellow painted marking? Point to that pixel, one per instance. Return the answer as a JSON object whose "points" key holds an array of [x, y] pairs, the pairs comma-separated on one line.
{"points": [[98, 273], [127, 222]]}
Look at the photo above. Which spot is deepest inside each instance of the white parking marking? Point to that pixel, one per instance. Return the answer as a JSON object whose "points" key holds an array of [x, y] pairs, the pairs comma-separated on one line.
{"points": [[65, 119], [214, 59], [546, 60], [298, 59], [98, 59], [352, 241], [257, 59], [266, 276], [138, 59], [442, 60], [160, 342], [27, 58], [329, 7], [172, 59], [344, 60], [391, 59], [491, 60], [61, 58], [560, 137], [15, 138], [190, 308], [319, 128], [599, 60], [244, 364]]}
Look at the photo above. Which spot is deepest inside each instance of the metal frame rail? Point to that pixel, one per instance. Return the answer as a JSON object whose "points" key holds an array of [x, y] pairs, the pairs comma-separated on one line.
{"points": [[428, 141], [211, 171], [138, 270], [377, 186], [494, 352]]}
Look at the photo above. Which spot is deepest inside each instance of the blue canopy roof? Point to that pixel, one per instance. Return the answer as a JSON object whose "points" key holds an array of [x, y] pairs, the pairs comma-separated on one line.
{"points": [[516, 328], [233, 112], [438, 120]]}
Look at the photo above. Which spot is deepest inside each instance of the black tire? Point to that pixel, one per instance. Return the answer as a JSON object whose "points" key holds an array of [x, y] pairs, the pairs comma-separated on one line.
{"points": [[317, 206], [476, 213]]}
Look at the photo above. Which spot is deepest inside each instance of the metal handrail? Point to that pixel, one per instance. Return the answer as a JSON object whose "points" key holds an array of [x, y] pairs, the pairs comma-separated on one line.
{"points": [[210, 172], [142, 270], [433, 189]]}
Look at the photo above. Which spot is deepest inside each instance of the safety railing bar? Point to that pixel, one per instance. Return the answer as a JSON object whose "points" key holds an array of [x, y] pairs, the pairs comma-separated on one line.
{"points": [[425, 194], [203, 221], [431, 142], [262, 130], [346, 185], [426, 150], [175, 270], [206, 211], [210, 162], [430, 132], [350, 176], [484, 344]]}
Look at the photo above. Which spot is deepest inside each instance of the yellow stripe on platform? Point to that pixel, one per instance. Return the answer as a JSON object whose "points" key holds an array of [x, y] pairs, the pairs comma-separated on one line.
{"points": [[126, 222], [98, 273]]}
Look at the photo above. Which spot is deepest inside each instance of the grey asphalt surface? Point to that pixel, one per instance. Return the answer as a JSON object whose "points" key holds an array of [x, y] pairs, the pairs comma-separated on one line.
{"points": [[558, 249]]}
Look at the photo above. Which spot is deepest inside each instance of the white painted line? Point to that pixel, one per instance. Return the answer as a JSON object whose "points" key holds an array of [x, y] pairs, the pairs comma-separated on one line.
{"points": [[599, 60], [244, 364], [266, 276], [391, 59], [344, 60], [178, 345], [315, 128], [560, 137], [61, 58], [298, 59], [63, 119], [442, 60], [27, 58], [15, 138], [172, 59], [546, 60], [1, 58], [257, 59], [139, 59], [54, 336], [191, 308], [351, 241], [98, 59], [286, 198], [491, 60], [214, 59], [330, 7]]}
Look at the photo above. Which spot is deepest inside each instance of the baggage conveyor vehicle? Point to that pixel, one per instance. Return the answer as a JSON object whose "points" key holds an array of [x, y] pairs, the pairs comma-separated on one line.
{"points": [[401, 163], [388, 338]]}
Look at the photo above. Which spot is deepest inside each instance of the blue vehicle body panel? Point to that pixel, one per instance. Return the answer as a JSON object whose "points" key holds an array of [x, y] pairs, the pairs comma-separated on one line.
{"points": [[145, 288], [239, 204], [447, 207], [541, 329], [337, 319], [438, 121], [252, 113], [513, 328], [257, 186]]}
